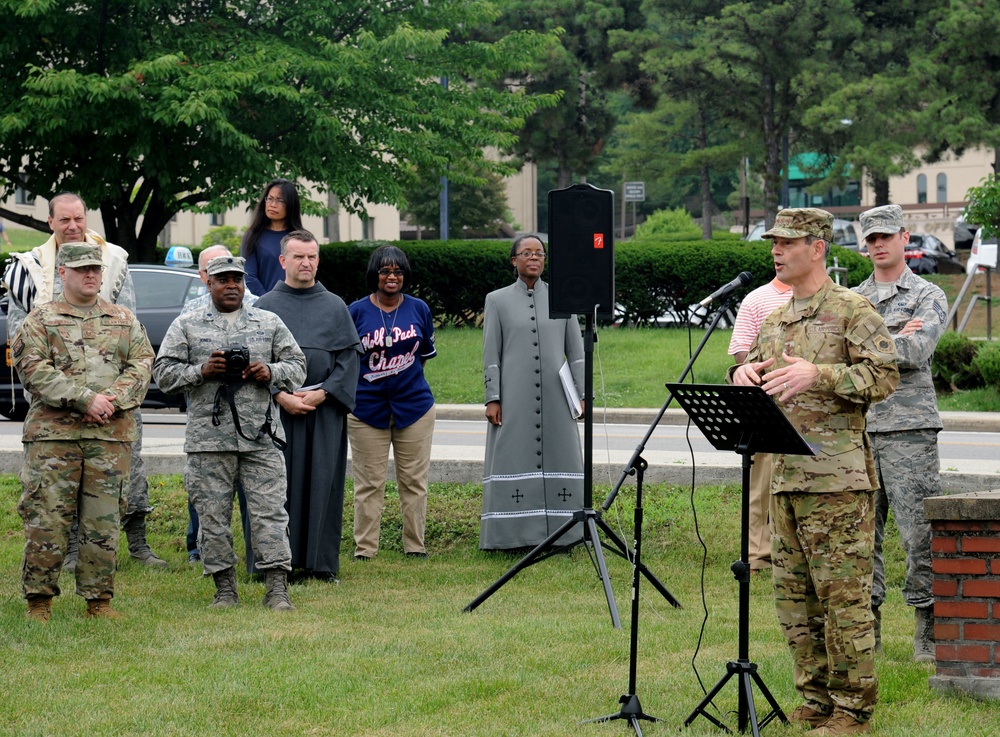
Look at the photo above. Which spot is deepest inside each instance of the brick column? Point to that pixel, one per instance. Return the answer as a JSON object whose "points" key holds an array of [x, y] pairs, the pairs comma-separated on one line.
{"points": [[965, 554]]}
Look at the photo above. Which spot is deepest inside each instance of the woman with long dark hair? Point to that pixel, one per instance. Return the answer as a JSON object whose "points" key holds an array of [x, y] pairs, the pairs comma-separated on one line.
{"points": [[277, 214]]}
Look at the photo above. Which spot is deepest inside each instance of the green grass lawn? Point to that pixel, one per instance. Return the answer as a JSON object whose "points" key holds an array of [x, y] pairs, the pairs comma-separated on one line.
{"points": [[631, 366], [23, 240], [389, 651]]}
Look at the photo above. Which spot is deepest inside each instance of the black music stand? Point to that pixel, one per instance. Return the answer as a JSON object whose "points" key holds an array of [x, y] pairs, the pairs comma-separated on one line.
{"points": [[747, 420]]}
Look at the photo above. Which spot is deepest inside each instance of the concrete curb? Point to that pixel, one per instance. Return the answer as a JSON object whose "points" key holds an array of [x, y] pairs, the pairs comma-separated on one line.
{"points": [[952, 421], [723, 468]]}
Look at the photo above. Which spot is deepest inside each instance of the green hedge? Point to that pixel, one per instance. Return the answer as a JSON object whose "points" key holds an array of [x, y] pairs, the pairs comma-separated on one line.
{"points": [[651, 278]]}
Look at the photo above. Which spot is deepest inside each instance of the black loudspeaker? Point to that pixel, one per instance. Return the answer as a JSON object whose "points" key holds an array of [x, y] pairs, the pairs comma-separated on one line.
{"points": [[581, 251]]}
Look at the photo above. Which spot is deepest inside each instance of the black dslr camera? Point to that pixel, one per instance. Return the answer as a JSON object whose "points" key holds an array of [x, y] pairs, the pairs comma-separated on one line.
{"points": [[237, 359]]}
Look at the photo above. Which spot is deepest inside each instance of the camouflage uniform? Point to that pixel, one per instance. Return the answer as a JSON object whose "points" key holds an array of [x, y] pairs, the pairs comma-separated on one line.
{"points": [[903, 431], [822, 514], [65, 355], [119, 290], [217, 454]]}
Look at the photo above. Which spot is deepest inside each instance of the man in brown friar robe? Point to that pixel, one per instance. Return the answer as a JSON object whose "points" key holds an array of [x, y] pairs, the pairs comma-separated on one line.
{"points": [[315, 416]]}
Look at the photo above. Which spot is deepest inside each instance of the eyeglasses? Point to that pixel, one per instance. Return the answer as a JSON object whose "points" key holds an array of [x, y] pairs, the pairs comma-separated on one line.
{"points": [[532, 254], [391, 272], [88, 269], [274, 200]]}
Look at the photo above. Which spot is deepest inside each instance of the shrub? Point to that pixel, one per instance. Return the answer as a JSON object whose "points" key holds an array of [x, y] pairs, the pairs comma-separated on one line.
{"points": [[954, 365], [987, 360], [224, 235], [672, 225]]}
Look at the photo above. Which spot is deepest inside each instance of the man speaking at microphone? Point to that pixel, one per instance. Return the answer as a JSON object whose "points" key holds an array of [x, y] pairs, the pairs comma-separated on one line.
{"points": [[824, 357]]}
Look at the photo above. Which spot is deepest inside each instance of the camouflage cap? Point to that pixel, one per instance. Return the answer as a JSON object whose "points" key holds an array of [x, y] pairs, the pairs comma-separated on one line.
{"points": [[887, 219], [223, 264], [77, 254], [798, 222]]}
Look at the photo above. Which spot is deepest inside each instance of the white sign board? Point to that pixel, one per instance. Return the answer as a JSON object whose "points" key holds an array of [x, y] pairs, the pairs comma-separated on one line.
{"points": [[635, 191]]}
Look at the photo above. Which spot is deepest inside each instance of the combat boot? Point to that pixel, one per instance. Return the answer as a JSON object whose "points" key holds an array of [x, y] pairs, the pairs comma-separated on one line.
{"points": [[878, 629], [841, 722], [100, 609], [135, 530], [276, 596], [225, 585], [40, 608], [923, 635]]}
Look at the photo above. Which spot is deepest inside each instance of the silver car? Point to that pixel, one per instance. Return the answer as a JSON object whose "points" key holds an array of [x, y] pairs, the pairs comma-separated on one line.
{"points": [[160, 294]]}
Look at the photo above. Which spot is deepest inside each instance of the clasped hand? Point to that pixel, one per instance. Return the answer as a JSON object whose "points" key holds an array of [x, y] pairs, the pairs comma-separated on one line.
{"points": [[798, 375]]}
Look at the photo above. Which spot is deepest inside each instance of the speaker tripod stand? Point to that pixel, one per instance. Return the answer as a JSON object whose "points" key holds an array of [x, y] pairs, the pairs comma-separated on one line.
{"points": [[747, 420], [587, 517]]}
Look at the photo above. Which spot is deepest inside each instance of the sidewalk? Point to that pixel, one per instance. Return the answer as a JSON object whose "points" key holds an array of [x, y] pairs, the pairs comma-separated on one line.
{"points": [[464, 463]]}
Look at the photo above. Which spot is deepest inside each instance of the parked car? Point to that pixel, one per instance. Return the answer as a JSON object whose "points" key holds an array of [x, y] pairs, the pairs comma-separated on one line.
{"points": [[846, 233], [160, 293], [965, 232], [926, 254]]}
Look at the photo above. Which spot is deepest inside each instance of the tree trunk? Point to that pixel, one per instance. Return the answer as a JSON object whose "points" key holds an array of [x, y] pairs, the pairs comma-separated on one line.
{"points": [[333, 219], [880, 188], [564, 176], [706, 184], [772, 153]]}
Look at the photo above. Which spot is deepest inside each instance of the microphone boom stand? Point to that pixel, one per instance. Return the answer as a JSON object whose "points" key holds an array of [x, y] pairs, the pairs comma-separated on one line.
{"points": [[631, 710]]}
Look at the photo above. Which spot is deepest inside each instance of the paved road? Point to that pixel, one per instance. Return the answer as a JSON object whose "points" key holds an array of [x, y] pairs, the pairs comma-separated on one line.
{"points": [[969, 447]]}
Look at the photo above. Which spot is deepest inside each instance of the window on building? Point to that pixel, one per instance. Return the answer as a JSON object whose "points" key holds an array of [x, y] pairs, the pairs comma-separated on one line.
{"points": [[942, 187], [217, 219], [23, 196], [921, 189], [367, 228]]}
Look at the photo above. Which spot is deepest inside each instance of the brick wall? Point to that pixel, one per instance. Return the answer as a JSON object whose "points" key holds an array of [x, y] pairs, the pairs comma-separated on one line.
{"points": [[965, 550]]}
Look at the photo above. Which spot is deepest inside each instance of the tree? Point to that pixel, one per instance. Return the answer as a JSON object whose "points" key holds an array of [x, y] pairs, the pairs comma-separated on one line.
{"points": [[871, 119], [984, 205], [148, 107], [582, 70], [473, 209], [955, 75], [758, 59]]}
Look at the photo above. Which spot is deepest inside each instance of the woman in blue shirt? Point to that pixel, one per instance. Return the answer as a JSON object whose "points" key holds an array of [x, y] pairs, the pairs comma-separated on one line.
{"points": [[394, 404], [277, 214]]}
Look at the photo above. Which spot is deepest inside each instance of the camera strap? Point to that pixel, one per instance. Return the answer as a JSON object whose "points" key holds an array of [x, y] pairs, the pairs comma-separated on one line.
{"points": [[227, 392]]}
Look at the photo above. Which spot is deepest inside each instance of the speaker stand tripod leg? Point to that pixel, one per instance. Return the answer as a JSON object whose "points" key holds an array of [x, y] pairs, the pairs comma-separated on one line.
{"points": [[602, 567], [622, 550]]}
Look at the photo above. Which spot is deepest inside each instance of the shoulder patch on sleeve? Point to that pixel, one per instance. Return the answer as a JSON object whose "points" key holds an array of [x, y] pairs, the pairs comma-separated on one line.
{"points": [[884, 344], [18, 347]]}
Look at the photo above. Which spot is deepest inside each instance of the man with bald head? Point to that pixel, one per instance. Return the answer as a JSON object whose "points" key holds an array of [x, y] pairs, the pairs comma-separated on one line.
{"points": [[33, 279], [204, 302]]}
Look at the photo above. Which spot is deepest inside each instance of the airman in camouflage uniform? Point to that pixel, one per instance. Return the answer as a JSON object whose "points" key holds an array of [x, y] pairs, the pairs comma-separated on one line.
{"points": [[87, 362], [904, 428], [825, 356], [222, 449]]}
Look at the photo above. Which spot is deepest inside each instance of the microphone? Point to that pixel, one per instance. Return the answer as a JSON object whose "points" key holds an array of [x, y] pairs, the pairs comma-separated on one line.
{"points": [[743, 280]]}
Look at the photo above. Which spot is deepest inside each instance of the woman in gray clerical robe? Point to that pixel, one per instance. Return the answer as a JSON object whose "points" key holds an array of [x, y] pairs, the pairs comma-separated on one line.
{"points": [[533, 476]]}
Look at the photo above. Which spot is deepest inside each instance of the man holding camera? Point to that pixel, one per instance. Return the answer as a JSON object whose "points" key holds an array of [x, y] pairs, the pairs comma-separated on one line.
{"points": [[226, 360]]}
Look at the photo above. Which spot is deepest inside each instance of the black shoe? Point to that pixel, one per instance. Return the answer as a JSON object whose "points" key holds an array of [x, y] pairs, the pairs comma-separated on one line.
{"points": [[361, 559], [194, 557], [324, 576], [416, 555]]}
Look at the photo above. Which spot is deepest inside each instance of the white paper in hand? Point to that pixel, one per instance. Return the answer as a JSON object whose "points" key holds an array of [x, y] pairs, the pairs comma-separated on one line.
{"points": [[572, 395]]}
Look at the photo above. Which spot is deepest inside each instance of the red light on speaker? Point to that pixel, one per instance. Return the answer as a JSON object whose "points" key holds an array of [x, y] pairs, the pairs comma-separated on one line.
{"points": [[598, 240]]}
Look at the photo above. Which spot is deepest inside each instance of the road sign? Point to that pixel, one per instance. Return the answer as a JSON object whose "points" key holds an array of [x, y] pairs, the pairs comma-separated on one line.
{"points": [[635, 191]]}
